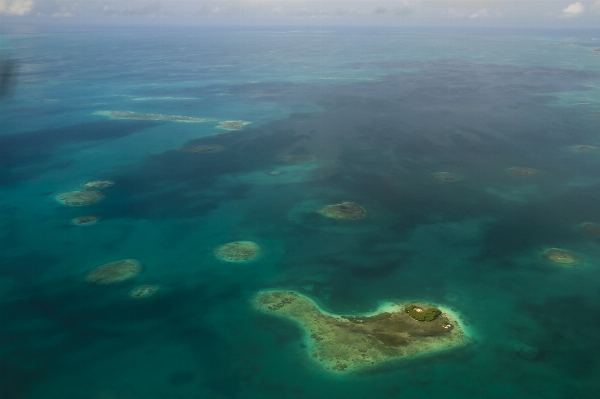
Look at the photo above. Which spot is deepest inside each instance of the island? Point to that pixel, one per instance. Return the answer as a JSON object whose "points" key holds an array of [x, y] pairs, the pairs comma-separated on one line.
{"points": [[347, 343], [560, 257]]}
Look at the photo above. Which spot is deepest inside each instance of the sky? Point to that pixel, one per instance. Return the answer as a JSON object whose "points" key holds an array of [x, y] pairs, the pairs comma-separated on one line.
{"points": [[519, 13]]}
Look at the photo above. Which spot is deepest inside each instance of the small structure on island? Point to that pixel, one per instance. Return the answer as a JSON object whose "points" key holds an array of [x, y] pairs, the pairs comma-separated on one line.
{"points": [[346, 343], [98, 184], [345, 210], [237, 251], [299, 158], [584, 148], [445, 177], [233, 125], [85, 220], [80, 198], [522, 171], [203, 149], [143, 291], [114, 272], [560, 256], [590, 229]]}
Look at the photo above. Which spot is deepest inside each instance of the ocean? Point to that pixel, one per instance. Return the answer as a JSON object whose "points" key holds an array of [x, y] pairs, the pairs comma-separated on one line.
{"points": [[473, 152]]}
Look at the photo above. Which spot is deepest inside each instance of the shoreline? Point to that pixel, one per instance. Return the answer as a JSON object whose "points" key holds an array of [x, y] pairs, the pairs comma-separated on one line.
{"points": [[339, 344]]}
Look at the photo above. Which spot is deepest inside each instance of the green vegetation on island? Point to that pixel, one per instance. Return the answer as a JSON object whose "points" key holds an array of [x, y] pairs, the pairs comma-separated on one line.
{"points": [[420, 314]]}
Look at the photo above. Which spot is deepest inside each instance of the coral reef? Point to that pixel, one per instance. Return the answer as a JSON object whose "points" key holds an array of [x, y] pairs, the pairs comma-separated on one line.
{"points": [[114, 272], [203, 149], [345, 210], [522, 172], [99, 184], [80, 198], [237, 251], [345, 343], [299, 158], [590, 229], [233, 125], [85, 220], [152, 117], [143, 291], [560, 256], [445, 177], [584, 148]]}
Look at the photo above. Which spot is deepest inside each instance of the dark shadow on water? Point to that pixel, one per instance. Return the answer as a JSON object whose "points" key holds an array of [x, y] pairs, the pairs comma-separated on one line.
{"points": [[34, 149], [179, 184], [571, 326]]}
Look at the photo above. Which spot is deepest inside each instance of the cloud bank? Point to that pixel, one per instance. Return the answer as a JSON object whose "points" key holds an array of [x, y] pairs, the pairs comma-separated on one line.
{"points": [[282, 12]]}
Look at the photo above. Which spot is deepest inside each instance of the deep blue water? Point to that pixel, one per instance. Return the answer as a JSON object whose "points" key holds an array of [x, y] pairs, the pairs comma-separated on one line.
{"points": [[381, 111]]}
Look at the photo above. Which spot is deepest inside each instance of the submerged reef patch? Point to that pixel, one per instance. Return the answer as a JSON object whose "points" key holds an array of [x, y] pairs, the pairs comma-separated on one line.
{"points": [[114, 272], [590, 229], [80, 198], [85, 220], [299, 158], [203, 149], [151, 117], [445, 177], [143, 291], [233, 125], [237, 251], [522, 171], [345, 210], [560, 256], [584, 148], [345, 343], [99, 184]]}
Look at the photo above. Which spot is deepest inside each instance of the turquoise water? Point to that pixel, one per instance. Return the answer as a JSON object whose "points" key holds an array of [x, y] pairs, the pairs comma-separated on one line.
{"points": [[381, 110]]}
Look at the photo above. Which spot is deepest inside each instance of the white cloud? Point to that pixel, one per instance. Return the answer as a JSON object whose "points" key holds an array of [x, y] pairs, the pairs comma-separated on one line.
{"points": [[16, 7], [481, 13], [573, 10]]}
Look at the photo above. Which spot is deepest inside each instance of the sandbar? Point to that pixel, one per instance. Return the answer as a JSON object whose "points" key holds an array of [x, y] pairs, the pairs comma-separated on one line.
{"points": [[80, 198], [233, 125], [151, 117], [114, 272], [347, 343], [345, 210]]}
